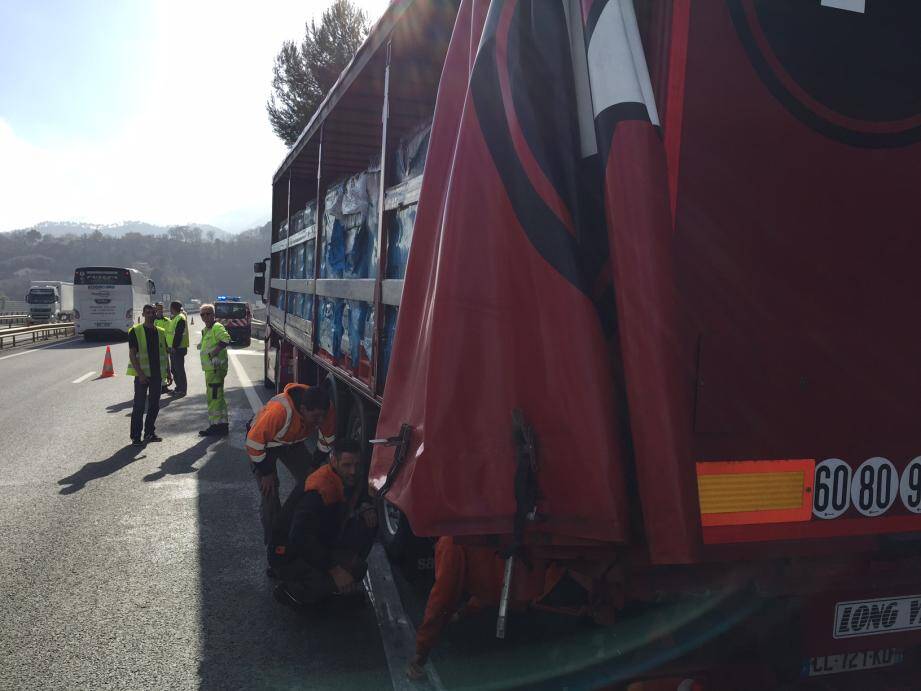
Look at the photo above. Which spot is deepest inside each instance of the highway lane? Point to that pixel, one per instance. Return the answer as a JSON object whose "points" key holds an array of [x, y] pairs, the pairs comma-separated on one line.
{"points": [[125, 568]]}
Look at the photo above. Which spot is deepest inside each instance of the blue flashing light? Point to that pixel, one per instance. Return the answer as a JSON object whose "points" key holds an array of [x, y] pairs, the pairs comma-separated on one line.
{"points": [[226, 298]]}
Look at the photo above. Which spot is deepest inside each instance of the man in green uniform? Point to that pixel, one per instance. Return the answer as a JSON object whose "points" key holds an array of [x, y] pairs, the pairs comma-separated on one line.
{"points": [[213, 347], [149, 367], [162, 322]]}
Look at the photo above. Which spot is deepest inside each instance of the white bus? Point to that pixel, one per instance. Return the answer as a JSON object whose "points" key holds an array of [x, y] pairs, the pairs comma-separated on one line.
{"points": [[108, 300]]}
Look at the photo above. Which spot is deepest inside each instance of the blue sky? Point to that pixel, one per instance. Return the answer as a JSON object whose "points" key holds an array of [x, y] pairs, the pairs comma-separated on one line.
{"points": [[61, 60], [141, 109]]}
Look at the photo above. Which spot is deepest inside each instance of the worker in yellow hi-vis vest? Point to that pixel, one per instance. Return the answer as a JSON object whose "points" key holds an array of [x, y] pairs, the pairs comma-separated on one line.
{"points": [[213, 349], [149, 366], [177, 343]]}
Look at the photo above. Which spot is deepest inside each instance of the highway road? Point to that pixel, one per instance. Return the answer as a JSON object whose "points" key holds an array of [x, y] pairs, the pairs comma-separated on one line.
{"points": [[144, 568]]}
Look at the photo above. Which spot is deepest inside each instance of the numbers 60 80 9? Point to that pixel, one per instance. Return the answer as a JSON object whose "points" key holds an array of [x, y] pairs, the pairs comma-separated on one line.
{"points": [[872, 488]]}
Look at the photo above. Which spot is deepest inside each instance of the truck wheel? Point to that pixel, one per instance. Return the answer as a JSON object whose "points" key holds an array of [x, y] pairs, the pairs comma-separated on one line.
{"points": [[393, 530], [268, 383], [340, 400], [362, 421], [246, 343]]}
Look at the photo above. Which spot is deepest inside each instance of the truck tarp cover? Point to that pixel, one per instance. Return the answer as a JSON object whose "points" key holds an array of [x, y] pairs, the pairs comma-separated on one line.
{"points": [[508, 299]]}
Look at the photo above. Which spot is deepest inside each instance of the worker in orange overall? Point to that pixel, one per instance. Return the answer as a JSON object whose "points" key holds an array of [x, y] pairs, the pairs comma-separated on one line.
{"points": [[281, 431], [462, 570], [331, 532]]}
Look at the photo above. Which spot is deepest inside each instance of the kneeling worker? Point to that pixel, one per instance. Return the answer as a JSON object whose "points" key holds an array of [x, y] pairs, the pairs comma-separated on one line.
{"points": [[278, 433], [331, 533]]}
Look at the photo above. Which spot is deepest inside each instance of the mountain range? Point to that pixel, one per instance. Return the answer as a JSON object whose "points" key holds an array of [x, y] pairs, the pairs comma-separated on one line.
{"points": [[117, 230]]}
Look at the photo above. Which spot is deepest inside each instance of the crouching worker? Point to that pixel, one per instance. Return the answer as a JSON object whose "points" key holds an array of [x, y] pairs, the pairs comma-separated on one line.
{"points": [[332, 530], [468, 579], [278, 433]]}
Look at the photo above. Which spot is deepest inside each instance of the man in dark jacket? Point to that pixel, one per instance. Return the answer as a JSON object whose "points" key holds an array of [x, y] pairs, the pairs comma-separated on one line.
{"points": [[178, 343], [332, 530]]}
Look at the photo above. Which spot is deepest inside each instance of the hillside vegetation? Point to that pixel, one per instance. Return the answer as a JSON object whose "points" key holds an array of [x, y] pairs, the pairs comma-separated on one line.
{"points": [[185, 262]]}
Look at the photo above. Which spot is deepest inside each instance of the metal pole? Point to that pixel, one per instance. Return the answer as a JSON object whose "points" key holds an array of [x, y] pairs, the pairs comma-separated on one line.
{"points": [[503, 601], [317, 244], [378, 329]]}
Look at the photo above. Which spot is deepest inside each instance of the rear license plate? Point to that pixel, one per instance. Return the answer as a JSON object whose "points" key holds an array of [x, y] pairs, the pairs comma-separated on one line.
{"points": [[852, 662]]}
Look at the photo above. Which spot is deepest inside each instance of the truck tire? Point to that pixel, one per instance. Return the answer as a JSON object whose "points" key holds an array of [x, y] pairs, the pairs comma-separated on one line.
{"points": [[360, 420], [394, 532], [268, 383], [338, 396]]}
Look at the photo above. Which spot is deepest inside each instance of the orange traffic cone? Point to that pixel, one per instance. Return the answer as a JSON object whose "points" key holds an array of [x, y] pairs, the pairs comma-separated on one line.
{"points": [[107, 369]]}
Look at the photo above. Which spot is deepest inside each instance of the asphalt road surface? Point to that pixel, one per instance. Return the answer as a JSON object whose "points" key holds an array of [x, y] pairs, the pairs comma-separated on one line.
{"points": [[143, 568]]}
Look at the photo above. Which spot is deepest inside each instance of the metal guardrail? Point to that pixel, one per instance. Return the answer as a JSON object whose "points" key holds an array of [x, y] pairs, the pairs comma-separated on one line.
{"points": [[36, 333], [19, 306], [257, 328], [13, 318]]}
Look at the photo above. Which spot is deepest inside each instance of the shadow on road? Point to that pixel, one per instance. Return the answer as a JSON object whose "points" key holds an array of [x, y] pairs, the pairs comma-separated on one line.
{"points": [[184, 462], [165, 400], [100, 469], [118, 407], [78, 343]]}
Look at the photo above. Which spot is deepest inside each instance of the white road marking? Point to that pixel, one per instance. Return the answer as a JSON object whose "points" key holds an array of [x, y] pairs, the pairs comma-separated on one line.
{"points": [[397, 632], [83, 378], [254, 401], [32, 350]]}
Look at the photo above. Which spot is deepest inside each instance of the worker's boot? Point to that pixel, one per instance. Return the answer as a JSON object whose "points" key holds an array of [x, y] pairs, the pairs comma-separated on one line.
{"points": [[222, 430], [208, 432]]}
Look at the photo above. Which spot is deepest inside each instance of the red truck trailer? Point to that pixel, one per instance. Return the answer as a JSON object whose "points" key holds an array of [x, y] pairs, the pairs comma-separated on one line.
{"points": [[631, 286]]}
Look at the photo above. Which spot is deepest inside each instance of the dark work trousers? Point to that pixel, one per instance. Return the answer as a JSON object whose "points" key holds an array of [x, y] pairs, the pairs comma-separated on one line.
{"points": [[177, 367], [149, 394], [299, 462], [310, 584]]}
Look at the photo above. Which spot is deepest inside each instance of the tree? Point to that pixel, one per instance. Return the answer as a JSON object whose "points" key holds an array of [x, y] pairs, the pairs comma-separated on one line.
{"points": [[303, 74]]}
